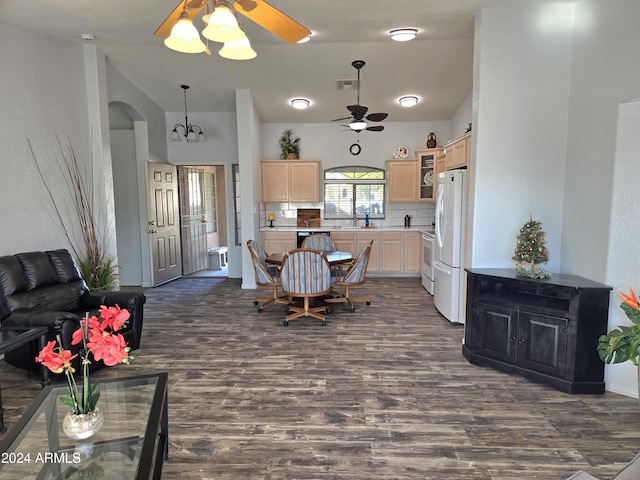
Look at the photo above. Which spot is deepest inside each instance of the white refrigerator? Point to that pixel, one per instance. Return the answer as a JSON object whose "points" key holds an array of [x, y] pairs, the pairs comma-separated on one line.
{"points": [[448, 261]]}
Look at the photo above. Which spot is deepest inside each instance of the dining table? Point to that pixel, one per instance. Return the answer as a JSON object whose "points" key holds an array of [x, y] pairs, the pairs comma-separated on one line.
{"points": [[334, 257]]}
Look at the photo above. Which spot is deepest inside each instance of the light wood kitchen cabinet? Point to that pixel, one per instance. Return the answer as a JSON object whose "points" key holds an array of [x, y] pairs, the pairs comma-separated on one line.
{"points": [[412, 252], [402, 180], [345, 241], [457, 152], [290, 181], [427, 173], [361, 239], [391, 243], [276, 242]]}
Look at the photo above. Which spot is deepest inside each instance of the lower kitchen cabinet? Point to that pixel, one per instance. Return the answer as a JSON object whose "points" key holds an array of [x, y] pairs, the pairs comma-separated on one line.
{"points": [[545, 330], [276, 242], [412, 252]]}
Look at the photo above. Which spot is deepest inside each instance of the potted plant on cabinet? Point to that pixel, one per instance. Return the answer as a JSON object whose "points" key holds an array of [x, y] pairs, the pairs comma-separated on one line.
{"points": [[289, 146], [623, 342]]}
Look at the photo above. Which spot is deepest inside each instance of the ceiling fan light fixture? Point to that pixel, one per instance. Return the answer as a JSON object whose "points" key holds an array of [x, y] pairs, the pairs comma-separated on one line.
{"points": [[403, 34], [358, 125], [184, 36], [300, 103], [305, 39], [238, 50], [223, 25], [408, 101]]}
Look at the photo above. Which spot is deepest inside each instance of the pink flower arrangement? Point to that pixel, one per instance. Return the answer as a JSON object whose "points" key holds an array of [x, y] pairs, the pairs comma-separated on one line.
{"points": [[98, 337]]}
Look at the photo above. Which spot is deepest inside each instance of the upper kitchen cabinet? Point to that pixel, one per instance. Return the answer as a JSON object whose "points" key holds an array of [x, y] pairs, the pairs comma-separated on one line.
{"points": [[413, 179], [457, 152], [290, 181], [402, 180], [427, 173]]}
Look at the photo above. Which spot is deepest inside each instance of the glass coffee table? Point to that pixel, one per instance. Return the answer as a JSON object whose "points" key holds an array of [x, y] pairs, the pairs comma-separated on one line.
{"points": [[14, 337], [132, 443]]}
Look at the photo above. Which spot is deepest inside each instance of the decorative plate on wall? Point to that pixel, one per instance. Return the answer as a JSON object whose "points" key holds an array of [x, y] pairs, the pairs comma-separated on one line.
{"points": [[401, 152]]}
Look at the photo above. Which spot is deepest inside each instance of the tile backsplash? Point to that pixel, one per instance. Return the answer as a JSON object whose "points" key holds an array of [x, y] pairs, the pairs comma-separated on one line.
{"points": [[422, 214]]}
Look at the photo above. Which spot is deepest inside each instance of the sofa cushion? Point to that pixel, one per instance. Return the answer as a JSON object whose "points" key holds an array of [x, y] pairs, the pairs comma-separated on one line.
{"points": [[631, 471], [64, 265], [12, 279], [38, 269]]}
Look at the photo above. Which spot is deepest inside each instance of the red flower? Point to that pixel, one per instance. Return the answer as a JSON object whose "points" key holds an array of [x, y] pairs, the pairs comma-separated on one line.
{"points": [[111, 349], [630, 299], [56, 359], [114, 317]]}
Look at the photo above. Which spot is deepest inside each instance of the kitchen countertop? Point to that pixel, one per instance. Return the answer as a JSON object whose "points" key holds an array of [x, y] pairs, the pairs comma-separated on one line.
{"points": [[333, 228]]}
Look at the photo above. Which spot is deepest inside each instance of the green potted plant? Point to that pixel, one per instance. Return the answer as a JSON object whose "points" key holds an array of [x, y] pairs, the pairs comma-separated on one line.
{"points": [[623, 342], [289, 146]]}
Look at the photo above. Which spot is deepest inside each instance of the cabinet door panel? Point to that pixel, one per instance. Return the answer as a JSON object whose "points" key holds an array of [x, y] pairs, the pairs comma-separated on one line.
{"points": [[543, 343], [304, 182], [275, 182], [498, 334]]}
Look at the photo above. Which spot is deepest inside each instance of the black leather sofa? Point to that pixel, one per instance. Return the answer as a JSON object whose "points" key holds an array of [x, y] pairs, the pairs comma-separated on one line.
{"points": [[46, 289]]}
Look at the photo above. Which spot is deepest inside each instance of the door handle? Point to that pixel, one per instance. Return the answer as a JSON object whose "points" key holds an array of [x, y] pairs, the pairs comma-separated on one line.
{"points": [[152, 222], [153, 230]]}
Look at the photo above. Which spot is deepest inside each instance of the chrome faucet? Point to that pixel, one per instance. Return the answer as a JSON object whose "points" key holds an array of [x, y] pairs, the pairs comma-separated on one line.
{"points": [[355, 220]]}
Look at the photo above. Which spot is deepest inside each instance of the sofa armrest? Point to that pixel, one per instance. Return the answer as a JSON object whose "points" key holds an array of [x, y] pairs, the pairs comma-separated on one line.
{"points": [[42, 318], [60, 324], [128, 300], [132, 301]]}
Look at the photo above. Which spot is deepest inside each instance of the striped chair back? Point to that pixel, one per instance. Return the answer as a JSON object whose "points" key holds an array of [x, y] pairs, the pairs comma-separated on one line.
{"points": [[320, 242], [305, 273], [357, 272], [263, 277]]}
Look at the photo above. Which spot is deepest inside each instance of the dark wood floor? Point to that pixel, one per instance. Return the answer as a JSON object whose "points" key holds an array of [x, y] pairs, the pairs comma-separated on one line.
{"points": [[382, 393]]}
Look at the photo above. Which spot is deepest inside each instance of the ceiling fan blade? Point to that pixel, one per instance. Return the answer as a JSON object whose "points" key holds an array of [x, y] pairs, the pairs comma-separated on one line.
{"points": [[377, 117], [341, 119], [358, 111], [274, 20], [375, 128], [193, 8], [247, 5]]}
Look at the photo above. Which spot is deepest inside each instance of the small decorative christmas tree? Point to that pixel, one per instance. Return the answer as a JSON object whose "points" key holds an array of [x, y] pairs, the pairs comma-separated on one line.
{"points": [[531, 250]]}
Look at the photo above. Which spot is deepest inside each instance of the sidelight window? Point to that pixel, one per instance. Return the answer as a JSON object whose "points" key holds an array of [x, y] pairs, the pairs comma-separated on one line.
{"points": [[354, 191]]}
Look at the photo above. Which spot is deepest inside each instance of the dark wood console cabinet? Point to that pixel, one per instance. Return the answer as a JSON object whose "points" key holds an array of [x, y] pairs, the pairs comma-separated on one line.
{"points": [[545, 330]]}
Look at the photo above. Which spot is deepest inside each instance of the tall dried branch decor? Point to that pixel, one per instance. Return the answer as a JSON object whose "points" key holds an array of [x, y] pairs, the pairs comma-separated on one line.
{"points": [[97, 268]]}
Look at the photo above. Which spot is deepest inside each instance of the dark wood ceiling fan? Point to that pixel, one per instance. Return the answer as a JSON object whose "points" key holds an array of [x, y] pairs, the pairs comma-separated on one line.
{"points": [[359, 115], [259, 11]]}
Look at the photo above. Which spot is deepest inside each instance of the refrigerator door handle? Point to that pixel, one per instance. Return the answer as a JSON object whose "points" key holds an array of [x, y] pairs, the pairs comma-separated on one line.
{"points": [[440, 216], [441, 267]]}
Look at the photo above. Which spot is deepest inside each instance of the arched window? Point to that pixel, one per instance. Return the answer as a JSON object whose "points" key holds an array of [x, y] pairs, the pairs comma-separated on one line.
{"points": [[354, 192]]}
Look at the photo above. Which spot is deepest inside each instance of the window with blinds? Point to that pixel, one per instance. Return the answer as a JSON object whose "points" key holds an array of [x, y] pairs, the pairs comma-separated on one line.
{"points": [[354, 191], [210, 202]]}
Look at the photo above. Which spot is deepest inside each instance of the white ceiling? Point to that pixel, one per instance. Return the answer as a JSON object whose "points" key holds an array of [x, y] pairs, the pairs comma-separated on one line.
{"points": [[436, 66]]}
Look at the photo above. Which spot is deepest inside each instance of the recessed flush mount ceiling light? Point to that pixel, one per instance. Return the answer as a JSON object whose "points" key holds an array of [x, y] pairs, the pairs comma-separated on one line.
{"points": [[408, 101], [300, 103], [403, 34]]}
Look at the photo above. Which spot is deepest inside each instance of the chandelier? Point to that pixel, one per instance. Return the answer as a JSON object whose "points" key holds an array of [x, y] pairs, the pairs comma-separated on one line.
{"points": [[221, 26], [188, 129]]}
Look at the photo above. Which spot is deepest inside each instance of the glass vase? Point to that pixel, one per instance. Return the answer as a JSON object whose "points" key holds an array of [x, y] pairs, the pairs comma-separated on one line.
{"points": [[82, 426]]}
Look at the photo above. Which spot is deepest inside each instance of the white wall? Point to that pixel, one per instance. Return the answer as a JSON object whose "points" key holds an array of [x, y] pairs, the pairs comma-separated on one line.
{"points": [[37, 109], [461, 118], [521, 100], [623, 258], [329, 142]]}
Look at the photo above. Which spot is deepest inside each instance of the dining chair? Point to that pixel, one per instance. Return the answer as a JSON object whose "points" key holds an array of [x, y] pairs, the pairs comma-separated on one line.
{"points": [[319, 241], [305, 274], [264, 278], [353, 277]]}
